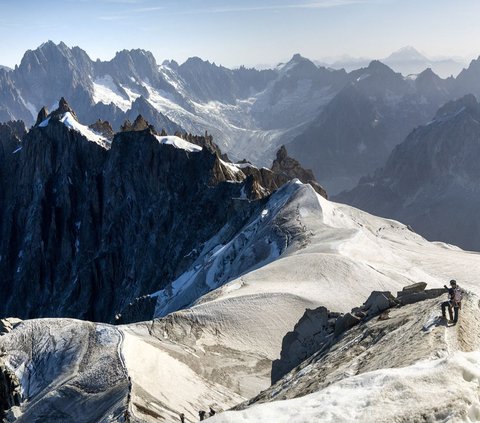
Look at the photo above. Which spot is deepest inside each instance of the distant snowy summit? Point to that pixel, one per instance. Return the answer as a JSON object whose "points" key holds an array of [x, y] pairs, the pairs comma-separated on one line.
{"points": [[407, 61]]}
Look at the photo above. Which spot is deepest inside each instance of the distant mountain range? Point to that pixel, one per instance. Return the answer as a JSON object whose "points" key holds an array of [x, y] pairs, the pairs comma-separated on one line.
{"points": [[431, 180], [407, 61], [343, 125]]}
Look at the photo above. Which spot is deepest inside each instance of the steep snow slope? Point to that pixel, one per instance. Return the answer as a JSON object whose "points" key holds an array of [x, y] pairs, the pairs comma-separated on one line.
{"points": [[331, 254]]}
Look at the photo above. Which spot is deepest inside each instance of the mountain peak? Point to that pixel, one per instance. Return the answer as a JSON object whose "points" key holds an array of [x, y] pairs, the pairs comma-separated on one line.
{"points": [[42, 115], [64, 107], [378, 67], [407, 53], [298, 62], [453, 108]]}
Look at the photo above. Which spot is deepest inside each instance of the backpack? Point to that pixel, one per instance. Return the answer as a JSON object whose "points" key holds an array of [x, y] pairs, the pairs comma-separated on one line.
{"points": [[457, 295]]}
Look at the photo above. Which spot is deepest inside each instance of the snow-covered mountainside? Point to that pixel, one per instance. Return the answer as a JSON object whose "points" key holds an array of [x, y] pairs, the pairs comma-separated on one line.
{"points": [[219, 352], [431, 180]]}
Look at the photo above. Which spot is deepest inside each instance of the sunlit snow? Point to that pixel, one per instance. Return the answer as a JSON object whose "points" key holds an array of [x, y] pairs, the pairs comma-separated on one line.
{"points": [[105, 91], [179, 143]]}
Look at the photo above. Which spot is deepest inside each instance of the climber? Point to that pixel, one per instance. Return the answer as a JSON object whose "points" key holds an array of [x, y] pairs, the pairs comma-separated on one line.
{"points": [[212, 412], [202, 414], [454, 301], [182, 418]]}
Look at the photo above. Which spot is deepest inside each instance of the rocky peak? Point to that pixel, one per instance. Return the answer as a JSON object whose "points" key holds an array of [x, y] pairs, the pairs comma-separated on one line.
{"points": [[466, 103], [407, 53], [290, 168], [140, 124], [42, 115], [63, 107], [427, 74], [300, 66], [15, 128], [104, 128]]}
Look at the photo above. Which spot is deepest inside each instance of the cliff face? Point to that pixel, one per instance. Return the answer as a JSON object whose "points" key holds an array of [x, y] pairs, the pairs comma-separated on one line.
{"points": [[85, 230]]}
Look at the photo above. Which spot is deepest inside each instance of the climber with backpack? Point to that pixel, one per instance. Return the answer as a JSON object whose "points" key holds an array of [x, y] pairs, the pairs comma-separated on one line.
{"points": [[454, 302]]}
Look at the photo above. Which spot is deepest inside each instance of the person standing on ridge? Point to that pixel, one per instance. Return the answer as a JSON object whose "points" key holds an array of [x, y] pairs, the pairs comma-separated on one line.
{"points": [[454, 302]]}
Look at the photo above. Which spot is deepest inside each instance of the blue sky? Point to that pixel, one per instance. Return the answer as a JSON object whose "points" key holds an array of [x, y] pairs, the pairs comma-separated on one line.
{"points": [[234, 32]]}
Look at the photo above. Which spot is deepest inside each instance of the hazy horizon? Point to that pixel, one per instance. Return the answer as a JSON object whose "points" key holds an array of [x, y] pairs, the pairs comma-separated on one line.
{"points": [[251, 33]]}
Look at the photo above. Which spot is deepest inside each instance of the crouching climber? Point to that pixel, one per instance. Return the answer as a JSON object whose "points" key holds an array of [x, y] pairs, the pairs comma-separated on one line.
{"points": [[454, 302]]}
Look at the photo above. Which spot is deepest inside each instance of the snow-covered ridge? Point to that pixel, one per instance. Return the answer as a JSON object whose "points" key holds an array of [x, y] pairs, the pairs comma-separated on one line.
{"points": [[179, 143], [373, 371], [70, 122]]}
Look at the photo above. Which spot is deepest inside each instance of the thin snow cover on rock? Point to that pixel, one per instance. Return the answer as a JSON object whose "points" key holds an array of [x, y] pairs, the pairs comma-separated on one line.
{"points": [[69, 371], [72, 123]]}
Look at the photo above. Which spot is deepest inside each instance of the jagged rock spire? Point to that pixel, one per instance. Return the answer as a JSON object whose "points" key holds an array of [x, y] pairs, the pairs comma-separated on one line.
{"points": [[139, 124], [42, 115], [63, 107], [291, 168]]}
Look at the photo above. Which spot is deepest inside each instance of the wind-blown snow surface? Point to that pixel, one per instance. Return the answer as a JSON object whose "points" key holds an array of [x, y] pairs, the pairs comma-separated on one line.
{"points": [[301, 251]]}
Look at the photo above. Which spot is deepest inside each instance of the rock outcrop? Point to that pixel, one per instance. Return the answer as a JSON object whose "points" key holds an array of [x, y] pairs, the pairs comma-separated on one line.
{"points": [[10, 389], [319, 329], [291, 168], [104, 128]]}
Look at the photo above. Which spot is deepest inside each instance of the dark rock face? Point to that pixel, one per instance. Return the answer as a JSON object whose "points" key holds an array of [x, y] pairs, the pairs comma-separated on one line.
{"points": [[431, 180], [9, 389], [291, 168], [309, 334], [42, 115], [104, 128]]}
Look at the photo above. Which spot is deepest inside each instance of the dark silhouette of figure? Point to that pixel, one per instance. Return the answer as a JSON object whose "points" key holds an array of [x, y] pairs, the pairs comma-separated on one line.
{"points": [[202, 414], [212, 412], [182, 418]]}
